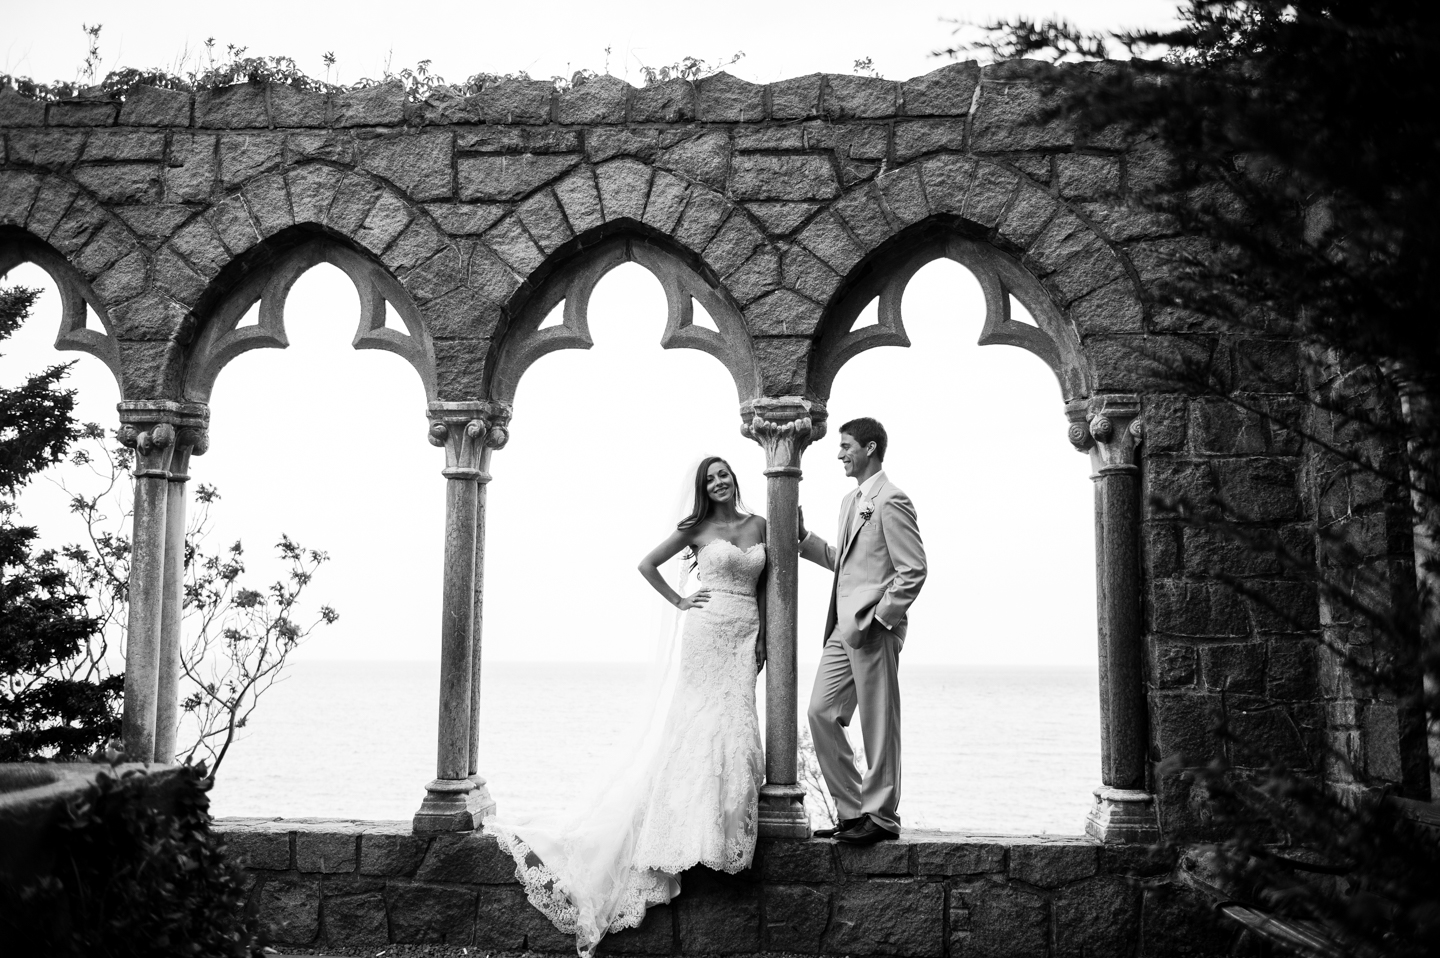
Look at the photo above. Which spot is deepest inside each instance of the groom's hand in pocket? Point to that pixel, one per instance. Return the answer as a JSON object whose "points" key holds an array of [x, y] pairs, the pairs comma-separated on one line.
{"points": [[877, 630]]}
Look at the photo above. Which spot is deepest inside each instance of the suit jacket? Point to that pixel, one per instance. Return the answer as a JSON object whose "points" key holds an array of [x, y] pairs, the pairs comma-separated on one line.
{"points": [[878, 570]]}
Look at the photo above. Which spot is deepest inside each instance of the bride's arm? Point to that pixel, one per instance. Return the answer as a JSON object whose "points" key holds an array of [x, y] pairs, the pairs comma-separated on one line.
{"points": [[664, 552]]}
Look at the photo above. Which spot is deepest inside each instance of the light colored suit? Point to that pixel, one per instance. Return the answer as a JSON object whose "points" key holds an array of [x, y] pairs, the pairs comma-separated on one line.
{"points": [[879, 568]]}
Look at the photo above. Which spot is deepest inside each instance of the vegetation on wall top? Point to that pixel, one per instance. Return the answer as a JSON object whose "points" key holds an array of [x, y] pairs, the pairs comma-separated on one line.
{"points": [[217, 68]]}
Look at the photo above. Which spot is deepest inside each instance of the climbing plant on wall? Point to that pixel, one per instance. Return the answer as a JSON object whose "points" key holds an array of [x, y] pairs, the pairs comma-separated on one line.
{"points": [[221, 66]]}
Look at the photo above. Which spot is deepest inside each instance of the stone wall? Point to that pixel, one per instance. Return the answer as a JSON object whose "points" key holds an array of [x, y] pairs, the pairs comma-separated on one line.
{"points": [[166, 203], [351, 884]]}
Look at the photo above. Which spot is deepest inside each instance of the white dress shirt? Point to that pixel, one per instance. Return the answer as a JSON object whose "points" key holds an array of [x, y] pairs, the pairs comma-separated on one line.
{"points": [[868, 486]]}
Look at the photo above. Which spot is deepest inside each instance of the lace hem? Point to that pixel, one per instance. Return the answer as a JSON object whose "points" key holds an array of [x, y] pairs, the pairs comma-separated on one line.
{"points": [[733, 862], [547, 892], [542, 886]]}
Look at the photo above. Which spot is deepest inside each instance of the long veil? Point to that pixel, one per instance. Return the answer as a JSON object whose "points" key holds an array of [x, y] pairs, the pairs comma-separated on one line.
{"points": [[578, 867]]}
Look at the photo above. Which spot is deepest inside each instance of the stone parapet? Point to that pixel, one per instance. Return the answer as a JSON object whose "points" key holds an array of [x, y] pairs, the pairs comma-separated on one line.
{"points": [[326, 883], [602, 101]]}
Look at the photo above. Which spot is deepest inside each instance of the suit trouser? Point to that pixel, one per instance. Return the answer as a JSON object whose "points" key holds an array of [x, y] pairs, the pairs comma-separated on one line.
{"points": [[870, 679]]}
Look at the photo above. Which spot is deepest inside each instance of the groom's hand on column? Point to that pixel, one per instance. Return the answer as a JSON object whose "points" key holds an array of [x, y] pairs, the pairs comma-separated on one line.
{"points": [[800, 512]]}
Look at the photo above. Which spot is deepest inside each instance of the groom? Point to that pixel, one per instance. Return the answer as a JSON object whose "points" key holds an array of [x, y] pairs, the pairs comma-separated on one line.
{"points": [[879, 566]]}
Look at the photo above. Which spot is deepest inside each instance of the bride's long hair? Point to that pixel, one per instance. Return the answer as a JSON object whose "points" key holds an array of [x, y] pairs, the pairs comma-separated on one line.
{"points": [[703, 506]]}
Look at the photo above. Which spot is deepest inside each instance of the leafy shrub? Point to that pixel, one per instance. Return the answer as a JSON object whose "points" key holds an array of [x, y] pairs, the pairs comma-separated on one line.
{"points": [[130, 868]]}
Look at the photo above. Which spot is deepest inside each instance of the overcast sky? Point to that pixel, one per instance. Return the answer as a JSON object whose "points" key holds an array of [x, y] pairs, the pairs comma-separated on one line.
{"points": [[328, 444]]}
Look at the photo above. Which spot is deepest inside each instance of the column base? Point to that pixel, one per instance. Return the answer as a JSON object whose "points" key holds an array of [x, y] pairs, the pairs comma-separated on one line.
{"points": [[1123, 816], [453, 805], [487, 803], [782, 812]]}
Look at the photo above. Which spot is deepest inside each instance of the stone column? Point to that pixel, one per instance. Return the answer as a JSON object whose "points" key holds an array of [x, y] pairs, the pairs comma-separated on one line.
{"points": [[498, 414], [783, 427], [1124, 810], [145, 428], [454, 801], [191, 436]]}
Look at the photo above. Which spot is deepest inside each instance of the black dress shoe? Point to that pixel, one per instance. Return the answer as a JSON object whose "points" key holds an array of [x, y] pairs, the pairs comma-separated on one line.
{"points": [[867, 833], [845, 825]]}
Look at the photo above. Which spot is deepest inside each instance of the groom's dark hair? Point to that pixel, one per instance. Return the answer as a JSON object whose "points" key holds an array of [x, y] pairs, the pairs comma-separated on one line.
{"points": [[865, 431]]}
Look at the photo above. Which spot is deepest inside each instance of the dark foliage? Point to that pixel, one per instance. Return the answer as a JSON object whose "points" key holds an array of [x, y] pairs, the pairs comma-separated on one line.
{"points": [[1361, 870], [1290, 146], [133, 870], [43, 618], [1281, 147], [36, 426]]}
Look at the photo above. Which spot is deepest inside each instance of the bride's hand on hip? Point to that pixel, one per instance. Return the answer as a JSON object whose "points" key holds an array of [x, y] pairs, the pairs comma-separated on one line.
{"points": [[693, 601]]}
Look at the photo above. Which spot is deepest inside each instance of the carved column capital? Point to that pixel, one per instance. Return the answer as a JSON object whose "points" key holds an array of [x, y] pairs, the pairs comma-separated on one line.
{"points": [[469, 432], [1110, 429], [159, 428], [1077, 411], [783, 427]]}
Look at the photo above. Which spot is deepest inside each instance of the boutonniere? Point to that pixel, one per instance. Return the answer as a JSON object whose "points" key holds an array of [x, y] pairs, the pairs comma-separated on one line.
{"points": [[867, 510]]}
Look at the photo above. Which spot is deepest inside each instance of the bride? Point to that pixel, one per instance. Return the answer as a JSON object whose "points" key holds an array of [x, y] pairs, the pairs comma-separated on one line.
{"points": [[689, 794]]}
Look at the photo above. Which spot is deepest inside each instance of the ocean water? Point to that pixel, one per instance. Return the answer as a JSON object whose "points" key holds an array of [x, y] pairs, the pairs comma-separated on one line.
{"points": [[985, 749]]}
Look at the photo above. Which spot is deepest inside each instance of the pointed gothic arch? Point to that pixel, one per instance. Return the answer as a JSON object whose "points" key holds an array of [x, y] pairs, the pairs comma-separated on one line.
{"points": [[267, 280], [885, 274], [77, 297], [573, 280]]}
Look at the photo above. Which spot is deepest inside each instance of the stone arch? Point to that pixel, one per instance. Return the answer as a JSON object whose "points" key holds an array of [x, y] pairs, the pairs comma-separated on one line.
{"points": [[885, 274], [267, 276], [1013, 233], [76, 294], [573, 280], [579, 221], [51, 218], [362, 210]]}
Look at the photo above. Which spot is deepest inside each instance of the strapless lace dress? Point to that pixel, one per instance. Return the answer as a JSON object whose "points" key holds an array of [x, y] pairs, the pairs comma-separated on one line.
{"points": [[692, 800]]}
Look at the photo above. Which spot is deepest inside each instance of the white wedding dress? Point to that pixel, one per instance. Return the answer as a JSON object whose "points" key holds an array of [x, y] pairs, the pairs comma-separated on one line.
{"points": [[689, 797]]}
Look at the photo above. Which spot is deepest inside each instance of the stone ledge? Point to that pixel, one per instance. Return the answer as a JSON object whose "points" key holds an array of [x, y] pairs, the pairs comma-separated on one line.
{"points": [[391, 848], [321, 883]]}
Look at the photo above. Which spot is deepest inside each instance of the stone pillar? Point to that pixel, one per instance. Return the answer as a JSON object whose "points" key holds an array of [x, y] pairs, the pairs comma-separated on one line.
{"points": [[499, 434], [454, 801], [783, 427], [1124, 810], [191, 436], [145, 428]]}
